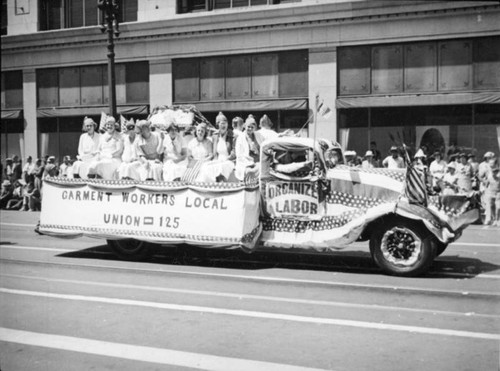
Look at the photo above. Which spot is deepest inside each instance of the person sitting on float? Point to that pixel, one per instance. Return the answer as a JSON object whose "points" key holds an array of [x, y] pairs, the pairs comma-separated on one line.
{"points": [[87, 149], [174, 155], [109, 153], [200, 147], [266, 130], [221, 167], [148, 146], [237, 124], [129, 167], [247, 149]]}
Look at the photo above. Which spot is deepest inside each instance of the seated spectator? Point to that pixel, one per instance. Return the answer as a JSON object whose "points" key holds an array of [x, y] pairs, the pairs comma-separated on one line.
{"points": [[7, 171], [109, 153], [175, 160], [27, 176], [247, 150], [148, 147], [87, 148], [66, 169], [51, 169], [350, 158], [394, 161], [129, 167], [221, 167], [37, 172], [16, 201], [6, 193]]}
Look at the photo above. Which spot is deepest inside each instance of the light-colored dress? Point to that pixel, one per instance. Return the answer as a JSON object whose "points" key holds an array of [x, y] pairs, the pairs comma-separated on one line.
{"points": [[149, 149], [129, 168], [200, 150], [109, 158], [221, 166], [87, 146], [243, 157], [437, 169], [267, 133], [174, 166]]}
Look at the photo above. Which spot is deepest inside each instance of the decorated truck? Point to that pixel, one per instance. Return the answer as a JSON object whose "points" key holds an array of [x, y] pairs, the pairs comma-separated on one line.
{"points": [[304, 199]]}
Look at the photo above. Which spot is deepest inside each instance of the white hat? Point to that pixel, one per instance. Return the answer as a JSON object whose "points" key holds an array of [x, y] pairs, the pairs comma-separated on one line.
{"points": [[368, 153], [350, 153], [420, 154], [452, 165]]}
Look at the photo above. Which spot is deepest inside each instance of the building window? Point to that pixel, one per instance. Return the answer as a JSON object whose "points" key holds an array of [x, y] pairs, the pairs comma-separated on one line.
{"points": [[3, 24], [441, 66], [11, 137], [12, 89], [88, 85], [57, 14], [190, 6], [241, 77]]}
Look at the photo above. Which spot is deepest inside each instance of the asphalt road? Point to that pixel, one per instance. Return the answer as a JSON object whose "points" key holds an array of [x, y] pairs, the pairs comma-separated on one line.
{"points": [[71, 305]]}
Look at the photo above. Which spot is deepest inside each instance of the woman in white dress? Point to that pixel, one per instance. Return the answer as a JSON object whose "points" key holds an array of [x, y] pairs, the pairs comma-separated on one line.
{"points": [[148, 146], [174, 155], [247, 149], [87, 149], [129, 168], [200, 147], [221, 167], [109, 153]]}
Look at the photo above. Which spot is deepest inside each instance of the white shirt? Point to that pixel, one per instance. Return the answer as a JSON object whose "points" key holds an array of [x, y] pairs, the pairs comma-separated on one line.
{"points": [[88, 145]]}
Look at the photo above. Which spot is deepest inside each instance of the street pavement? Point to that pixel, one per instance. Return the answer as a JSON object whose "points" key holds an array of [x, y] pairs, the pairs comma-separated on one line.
{"points": [[70, 304]]}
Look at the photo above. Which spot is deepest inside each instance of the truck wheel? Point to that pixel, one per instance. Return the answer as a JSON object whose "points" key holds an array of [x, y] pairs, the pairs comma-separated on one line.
{"points": [[130, 249], [403, 247]]}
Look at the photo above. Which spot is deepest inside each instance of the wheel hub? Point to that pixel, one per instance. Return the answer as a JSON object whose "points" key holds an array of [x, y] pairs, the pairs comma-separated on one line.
{"points": [[401, 246]]}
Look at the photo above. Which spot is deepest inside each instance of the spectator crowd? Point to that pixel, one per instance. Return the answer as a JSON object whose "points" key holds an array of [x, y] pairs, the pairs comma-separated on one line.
{"points": [[457, 173]]}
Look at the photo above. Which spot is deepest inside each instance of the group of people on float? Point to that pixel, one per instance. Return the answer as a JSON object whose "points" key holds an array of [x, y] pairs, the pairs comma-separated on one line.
{"points": [[143, 152]]}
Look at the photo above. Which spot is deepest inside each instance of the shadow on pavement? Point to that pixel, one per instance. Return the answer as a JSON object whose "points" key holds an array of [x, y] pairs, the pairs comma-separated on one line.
{"points": [[339, 261]]}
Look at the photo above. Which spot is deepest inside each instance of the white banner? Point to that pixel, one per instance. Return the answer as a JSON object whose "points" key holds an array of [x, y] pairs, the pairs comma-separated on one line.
{"points": [[175, 215], [297, 199]]}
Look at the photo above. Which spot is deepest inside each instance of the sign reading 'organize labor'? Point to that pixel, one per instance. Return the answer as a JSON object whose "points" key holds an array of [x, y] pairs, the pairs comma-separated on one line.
{"points": [[298, 199]]}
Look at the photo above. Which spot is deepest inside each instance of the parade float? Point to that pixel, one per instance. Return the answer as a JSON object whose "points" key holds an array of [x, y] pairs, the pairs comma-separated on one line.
{"points": [[304, 199]]}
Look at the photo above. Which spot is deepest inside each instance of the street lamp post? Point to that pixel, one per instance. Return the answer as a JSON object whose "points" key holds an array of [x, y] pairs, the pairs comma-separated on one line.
{"points": [[109, 23]]}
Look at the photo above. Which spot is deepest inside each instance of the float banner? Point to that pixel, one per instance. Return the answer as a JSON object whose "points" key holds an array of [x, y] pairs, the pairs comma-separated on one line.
{"points": [[298, 200], [163, 215]]}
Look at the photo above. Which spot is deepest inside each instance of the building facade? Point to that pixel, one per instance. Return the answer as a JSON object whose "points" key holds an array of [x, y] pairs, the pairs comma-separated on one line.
{"points": [[419, 72]]}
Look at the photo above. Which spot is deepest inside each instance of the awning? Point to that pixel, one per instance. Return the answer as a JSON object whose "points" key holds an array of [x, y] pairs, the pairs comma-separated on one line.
{"points": [[419, 100], [91, 111], [251, 105], [11, 114]]}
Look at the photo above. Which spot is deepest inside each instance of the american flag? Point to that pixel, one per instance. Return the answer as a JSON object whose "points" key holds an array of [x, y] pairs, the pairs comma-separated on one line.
{"points": [[415, 186], [322, 108], [192, 172]]}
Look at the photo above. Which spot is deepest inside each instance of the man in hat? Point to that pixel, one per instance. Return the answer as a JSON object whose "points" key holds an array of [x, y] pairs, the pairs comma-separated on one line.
{"points": [[51, 169], [65, 167], [437, 169], [394, 161], [369, 161], [450, 180], [350, 158]]}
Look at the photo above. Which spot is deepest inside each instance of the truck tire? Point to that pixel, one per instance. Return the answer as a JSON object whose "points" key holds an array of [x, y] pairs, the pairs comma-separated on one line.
{"points": [[403, 247], [130, 249]]}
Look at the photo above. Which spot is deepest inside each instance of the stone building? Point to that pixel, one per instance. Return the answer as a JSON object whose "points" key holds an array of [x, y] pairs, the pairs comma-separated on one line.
{"points": [[422, 72]]}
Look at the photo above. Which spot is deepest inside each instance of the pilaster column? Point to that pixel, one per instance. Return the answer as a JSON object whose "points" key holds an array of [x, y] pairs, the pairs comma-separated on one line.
{"points": [[323, 81], [29, 114], [160, 82]]}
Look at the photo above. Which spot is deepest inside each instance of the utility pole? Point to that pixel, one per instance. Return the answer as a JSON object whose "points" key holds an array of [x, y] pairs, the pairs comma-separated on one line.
{"points": [[110, 10]]}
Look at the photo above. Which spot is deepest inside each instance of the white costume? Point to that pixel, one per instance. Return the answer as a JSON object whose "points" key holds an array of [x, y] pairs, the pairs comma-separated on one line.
{"points": [[149, 149], [211, 170], [243, 157], [87, 147], [174, 166], [109, 157], [129, 168], [266, 133]]}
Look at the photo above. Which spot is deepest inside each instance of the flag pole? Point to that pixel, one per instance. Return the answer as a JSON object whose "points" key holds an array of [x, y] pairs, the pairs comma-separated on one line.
{"points": [[316, 103]]}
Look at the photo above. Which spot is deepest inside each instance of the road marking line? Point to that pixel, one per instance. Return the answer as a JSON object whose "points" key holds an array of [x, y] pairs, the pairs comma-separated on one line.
{"points": [[16, 247], [282, 279], [142, 353], [474, 244], [255, 314], [18, 224], [252, 297]]}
